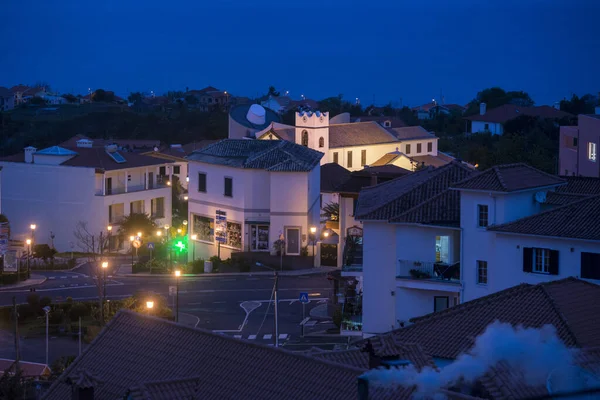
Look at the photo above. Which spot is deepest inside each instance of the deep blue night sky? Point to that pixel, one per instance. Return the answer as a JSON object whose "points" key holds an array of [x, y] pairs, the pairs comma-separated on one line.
{"points": [[382, 50]]}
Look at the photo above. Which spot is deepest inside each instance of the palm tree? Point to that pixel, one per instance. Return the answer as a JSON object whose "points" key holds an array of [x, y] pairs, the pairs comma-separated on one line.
{"points": [[331, 211]]}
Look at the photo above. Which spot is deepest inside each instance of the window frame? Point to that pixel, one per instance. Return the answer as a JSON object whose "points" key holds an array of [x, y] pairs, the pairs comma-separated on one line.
{"points": [[230, 195], [349, 159], [480, 208], [429, 147], [435, 298], [482, 266], [363, 158], [321, 142], [336, 157], [304, 138], [153, 202], [205, 183], [407, 148], [543, 256], [193, 229], [177, 169]]}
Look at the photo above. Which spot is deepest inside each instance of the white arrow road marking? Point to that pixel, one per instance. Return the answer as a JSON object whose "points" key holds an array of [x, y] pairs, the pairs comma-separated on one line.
{"points": [[248, 307]]}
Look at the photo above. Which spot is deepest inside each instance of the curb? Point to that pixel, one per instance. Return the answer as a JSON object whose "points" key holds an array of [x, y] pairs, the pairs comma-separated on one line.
{"points": [[23, 284], [305, 272]]}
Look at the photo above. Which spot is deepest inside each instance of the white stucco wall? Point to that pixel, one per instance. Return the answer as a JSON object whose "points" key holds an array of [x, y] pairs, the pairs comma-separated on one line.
{"points": [[495, 128], [412, 303], [379, 277]]}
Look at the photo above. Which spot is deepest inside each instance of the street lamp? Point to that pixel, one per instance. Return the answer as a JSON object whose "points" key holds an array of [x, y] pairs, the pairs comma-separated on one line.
{"points": [[326, 233], [28, 241], [104, 268], [194, 238], [184, 222], [33, 226], [313, 235], [139, 234], [158, 233], [169, 246], [177, 275], [178, 230], [109, 229], [185, 198], [131, 239], [149, 306], [47, 311]]}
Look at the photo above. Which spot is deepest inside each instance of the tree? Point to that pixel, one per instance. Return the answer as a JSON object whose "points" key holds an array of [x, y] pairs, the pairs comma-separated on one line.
{"points": [[579, 105], [42, 84], [11, 385], [37, 101], [137, 222], [191, 99], [135, 98], [272, 92], [331, 211], [70, 98], [179, 206], [174, 95], [495, 97], [101, 95], [4, 221]]}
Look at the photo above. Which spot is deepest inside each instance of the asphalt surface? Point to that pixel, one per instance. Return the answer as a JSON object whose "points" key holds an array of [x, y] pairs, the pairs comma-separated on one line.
{"points": [[241, 306]]}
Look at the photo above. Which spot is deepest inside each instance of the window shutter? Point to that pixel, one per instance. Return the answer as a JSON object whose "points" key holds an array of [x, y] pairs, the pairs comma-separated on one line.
{"points": [[586, 265], [553, 267], [527, 259]]}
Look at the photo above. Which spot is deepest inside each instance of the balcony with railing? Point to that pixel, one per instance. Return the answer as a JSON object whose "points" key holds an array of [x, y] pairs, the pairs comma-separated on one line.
{"points": [[352, 256], [120, 189], [429, 272]]}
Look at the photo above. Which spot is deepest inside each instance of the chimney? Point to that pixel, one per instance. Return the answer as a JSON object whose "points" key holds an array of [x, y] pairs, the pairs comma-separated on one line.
{"points": [[82, 385], [29, 151], [482, 108], [363, 388], [374, 361]]}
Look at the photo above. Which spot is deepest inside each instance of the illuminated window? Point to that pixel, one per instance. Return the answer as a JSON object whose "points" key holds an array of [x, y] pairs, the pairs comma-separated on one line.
{"points": [[592, 151]]}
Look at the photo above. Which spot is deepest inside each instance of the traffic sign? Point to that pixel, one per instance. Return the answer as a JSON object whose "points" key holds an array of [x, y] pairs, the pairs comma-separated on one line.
{"points": [[151, 246], [304, 297]]}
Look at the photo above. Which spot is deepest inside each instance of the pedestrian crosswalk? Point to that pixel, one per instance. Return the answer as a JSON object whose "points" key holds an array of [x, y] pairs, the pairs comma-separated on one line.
{"points": [[68, 276], [266, 336]]}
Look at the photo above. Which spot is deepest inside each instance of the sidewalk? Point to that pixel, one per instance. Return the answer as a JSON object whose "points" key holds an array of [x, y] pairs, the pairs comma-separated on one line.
{"points": [[33, 280], [125, 271], [321, 312]]}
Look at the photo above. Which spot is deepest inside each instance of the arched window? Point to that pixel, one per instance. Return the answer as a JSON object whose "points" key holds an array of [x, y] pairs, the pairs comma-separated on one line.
{"points": [[321, 142], [305, 138]]}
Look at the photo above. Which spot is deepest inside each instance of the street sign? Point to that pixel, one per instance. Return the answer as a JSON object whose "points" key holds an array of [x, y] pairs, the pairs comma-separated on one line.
{"points": [[304, 297], [11, 262], [136, 243], [172, 290], [151, 245]]}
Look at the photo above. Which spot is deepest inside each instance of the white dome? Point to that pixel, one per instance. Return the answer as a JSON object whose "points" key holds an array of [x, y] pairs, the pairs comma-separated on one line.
{"points": [[256, 114]]}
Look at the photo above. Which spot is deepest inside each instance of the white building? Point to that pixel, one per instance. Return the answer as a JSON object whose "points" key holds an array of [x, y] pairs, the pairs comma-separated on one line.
{"points": [[488, 232], [57, 188], [259, 190], [521, 225], [7, 99], [356, 145]]}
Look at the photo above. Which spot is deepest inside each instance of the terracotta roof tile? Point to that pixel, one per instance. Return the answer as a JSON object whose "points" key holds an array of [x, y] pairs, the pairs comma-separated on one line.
{"points": [[134, 349], [560, 199], [271, 155], [580, 185], [439, 160], [332, 176], [507, 112], [577, 220], [441, 210], [394, 198], [358, 134], [509, 178], [571, 305], [411, 132], [394, 121]]}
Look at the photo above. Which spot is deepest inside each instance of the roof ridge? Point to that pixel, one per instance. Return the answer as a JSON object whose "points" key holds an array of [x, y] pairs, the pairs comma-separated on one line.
{"points": [[496, 169], [552, 210], [559, 312]]}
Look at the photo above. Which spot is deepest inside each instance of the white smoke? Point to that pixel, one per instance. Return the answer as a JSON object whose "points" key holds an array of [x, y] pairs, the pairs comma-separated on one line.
{"points": [[535, 352]]}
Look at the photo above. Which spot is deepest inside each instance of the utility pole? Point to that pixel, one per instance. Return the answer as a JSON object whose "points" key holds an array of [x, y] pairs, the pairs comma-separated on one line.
{"points": [[79, 335], [18, 352], [276, 309]]}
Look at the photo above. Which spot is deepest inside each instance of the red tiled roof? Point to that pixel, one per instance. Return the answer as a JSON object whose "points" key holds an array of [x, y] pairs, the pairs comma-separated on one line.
{"points": [[391, 199], [576, 220], [509, 111], [571, 305], [134, 349], [395, 122], [358, 134], [509, 178], [411, 132], [441, 210]]}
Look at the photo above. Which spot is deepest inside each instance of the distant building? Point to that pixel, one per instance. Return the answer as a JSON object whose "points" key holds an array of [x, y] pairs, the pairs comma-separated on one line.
{"points": [[493, 121], [58, 188], [579, 145], [210, 97], [7, 99], [386, 122], [433, 109], [24, 93], [283, 104]]}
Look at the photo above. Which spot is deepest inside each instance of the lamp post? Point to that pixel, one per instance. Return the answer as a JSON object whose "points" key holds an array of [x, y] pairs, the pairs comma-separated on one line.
{"points": [[313, 236], [149, 306], [28, 241], [47, 311], [131, 239], [33, 226], [177, 275], [109, 229], [194, 238], [276, 301]]}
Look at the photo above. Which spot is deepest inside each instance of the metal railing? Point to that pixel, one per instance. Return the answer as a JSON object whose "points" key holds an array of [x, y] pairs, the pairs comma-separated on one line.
{"points": [[428, 270], [130, 189]]}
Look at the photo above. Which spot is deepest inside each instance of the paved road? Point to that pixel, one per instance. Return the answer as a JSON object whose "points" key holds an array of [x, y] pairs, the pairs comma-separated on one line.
{"points": [[240, 306]]}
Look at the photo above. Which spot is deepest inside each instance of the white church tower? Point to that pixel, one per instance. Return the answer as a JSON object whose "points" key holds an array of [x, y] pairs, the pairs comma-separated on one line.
{"points": [[312, 130]]}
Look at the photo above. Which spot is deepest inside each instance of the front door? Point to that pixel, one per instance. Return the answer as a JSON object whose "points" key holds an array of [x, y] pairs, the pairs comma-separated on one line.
{"points": [[292, 241], [108, 188], [150, 180]]}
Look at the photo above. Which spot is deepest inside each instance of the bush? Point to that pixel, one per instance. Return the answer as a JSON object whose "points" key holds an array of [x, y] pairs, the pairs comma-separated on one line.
{"points": [[45, 301], [197, 266], [71, 263], [33, 300], [56, 317], [79, 310]]}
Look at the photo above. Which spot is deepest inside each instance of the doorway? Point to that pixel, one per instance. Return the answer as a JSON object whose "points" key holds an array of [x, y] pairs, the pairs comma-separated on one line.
{"points": [[292, 241]]}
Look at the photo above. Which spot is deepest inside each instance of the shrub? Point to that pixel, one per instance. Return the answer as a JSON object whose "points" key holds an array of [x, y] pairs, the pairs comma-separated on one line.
{"points": [[33, 300], [71, 263], [79, 310], [45, 301], [197, 266], [56, 317]]}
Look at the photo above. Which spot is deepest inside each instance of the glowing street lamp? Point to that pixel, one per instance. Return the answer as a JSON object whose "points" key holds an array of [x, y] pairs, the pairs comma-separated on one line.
{"points": [[139, 234], [184, 222], [149, 305], [185, 198], [28, 241], [158, 233], [104, 268], [178, 230], [313, 236], [131, 239], [33, 226]]}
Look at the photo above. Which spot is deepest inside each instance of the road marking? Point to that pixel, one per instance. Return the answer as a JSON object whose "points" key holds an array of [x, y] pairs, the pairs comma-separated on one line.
{"points": [[248, 307], [194, 304], [252, 337], [237, 336], [283, 336], [219, 302], [267, 336], [51, 277], [291, 301]]}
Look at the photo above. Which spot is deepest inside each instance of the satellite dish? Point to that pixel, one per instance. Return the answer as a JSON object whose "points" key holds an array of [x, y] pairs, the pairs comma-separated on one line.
{"points": [[540, 197], [256, 114]]}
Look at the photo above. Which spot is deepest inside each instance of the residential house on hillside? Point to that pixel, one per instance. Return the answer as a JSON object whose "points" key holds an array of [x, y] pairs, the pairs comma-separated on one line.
{"points": [[355, 145], [245, 194], [177, 153], [23, 93], [210, 97], [411, 230], [283, 104], [59, 188], [433, 109], [7, 99], [125, 145], [578, 147], [493, 121], [569, 305]]}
